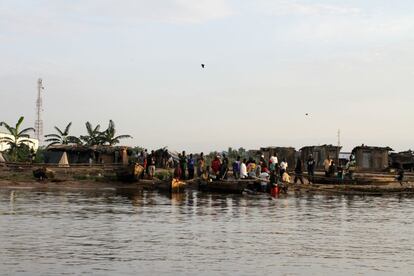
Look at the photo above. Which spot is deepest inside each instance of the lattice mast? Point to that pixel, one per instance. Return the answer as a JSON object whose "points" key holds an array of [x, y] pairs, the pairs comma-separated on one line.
{"points": [[339, 144], [39, 109]]}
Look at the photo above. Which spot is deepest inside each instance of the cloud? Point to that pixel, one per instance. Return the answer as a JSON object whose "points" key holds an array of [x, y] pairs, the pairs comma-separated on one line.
{"points": [[16, 15], [322, 20], [168, 11], [283, 7], [359, 29]]}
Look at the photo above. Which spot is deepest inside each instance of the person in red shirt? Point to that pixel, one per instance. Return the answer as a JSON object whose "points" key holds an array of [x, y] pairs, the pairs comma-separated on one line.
{"points": [[216, 165]]}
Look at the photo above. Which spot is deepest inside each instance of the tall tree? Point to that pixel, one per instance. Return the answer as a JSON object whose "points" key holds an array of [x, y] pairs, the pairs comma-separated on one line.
{"points": [[19, 140], [62, 137], [93, 137], [108, 137]]}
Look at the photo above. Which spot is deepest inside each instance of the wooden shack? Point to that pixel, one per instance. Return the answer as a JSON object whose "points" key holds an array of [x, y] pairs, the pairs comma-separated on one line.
{"points": [[320, 153], [255, 154], [281, 153], [371, 158], [404, 160], [77, 154]]}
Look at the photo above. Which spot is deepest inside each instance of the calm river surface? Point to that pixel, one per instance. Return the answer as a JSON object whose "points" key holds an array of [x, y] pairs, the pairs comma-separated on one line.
{"points": [[124, 232]]}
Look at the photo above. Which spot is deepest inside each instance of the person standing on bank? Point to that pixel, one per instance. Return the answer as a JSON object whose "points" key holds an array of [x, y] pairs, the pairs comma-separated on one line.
{"points": [[310, 163], [183, 164], [236, 168], [224, 167], [243, 169], [298, 171], [191, 164], [327, 164], [201, 164], [283, 167], [215, 166], [151, 165]]}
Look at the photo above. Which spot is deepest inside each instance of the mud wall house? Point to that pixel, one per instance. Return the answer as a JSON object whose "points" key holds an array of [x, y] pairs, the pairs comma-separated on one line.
{"points": [[75, 154], [404, 159], [111, 155], [371, 158], [82, 154], [288, 153], [255, 154], [320, 153]]}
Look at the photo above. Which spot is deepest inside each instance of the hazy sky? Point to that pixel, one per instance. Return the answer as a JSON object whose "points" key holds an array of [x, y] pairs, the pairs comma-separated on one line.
{"points": [[349, 64]]}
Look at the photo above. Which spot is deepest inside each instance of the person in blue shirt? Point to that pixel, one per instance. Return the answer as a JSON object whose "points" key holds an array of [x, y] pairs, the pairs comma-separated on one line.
{"points": [[190, 166], [236, 168]]}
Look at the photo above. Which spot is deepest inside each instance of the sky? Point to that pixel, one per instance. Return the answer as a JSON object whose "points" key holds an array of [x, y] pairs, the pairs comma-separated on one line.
{"points": [[348, 64]]}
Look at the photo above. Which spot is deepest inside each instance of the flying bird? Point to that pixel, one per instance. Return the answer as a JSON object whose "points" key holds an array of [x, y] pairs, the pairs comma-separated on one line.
{"points": [[203, 65]]}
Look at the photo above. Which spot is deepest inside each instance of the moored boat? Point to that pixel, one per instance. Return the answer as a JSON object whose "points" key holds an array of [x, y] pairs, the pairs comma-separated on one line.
{"points": [[172, 186], [129, 173], [359, 180], [225, 186]]}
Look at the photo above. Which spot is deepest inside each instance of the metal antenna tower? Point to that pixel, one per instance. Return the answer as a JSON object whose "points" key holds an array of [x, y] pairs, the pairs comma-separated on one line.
{"points": [[39, 109], [339, 137], [339, 144]]}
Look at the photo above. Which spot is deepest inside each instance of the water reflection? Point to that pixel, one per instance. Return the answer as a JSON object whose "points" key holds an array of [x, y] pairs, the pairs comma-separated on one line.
{"points": [[128, 231]]}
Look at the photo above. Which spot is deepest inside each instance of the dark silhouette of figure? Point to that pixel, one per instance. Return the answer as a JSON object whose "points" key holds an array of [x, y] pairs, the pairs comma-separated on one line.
{"points": [[298, 171]]}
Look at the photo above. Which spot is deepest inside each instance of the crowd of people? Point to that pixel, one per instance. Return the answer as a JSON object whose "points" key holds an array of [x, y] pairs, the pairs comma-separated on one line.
{"points": [[187, 167]]}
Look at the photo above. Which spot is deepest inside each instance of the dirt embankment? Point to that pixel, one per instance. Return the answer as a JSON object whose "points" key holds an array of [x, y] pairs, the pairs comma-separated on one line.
{"points": [[64, 178], [102, 178], [369, 189]]}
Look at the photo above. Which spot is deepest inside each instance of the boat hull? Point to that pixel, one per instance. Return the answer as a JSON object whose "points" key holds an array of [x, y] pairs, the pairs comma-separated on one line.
{"points": [[225, 186], [172, 186]]}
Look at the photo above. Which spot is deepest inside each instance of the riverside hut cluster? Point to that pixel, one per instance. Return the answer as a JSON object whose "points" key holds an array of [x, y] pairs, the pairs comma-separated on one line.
{"points": [[326, 159]]}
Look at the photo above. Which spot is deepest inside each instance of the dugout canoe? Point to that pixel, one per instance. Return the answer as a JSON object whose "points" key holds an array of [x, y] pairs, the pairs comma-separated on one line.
{"points": [[225, 186], [130, 173], [360, 180], [171, 186]]}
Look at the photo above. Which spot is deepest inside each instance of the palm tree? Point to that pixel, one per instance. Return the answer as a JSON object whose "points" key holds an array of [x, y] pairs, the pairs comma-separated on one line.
{"points": [[62, 137], [19, 139], [108, 136], [94, 136]]}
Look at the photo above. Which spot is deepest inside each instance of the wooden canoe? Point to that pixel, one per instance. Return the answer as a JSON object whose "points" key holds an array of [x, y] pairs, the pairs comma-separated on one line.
{"points": [[225, 186], [129, 173], [172, 186], [346, 181]]}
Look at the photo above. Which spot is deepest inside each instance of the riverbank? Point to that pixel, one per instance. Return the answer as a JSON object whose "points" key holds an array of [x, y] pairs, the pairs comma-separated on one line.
{"points": [[372, 189], [354, 189], [81, 178], [99, 178]]}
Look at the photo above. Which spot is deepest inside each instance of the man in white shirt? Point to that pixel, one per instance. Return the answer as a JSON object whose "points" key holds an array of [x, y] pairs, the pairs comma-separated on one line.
{"points": [[283, 167], [243, 169], [274, 159], [264, 177]]}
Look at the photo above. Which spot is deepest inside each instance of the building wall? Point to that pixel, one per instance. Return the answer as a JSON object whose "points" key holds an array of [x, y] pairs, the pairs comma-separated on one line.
{"points": [[320, 153], [5, 146], [281, 152], [371, 159]]}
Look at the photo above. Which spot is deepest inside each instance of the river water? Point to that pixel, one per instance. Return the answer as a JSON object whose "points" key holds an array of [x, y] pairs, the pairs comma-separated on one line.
{"points": [[125, 232]]}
